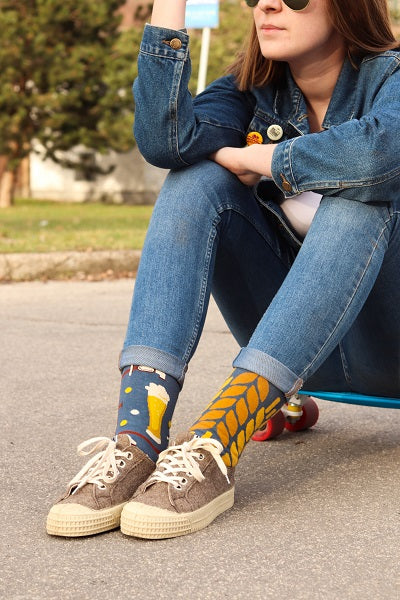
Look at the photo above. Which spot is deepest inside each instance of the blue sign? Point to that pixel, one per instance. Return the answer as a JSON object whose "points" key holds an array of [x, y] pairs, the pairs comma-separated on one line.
{"points": [[202, 13]]}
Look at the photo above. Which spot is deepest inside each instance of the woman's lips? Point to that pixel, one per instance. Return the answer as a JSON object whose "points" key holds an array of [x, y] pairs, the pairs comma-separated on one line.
{"points": [[270, 28]]}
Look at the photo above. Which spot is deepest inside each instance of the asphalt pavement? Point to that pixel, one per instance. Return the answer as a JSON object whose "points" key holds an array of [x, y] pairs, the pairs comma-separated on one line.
{"points": [[317, 514]]}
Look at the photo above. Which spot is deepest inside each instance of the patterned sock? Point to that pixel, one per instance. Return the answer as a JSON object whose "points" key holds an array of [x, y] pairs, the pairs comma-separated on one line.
{"points": [[245, 401], [146, 404]]}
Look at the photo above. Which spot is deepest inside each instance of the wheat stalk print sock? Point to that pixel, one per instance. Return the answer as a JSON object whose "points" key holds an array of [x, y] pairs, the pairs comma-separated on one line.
{"points": [[244, 402], [146, 404]]}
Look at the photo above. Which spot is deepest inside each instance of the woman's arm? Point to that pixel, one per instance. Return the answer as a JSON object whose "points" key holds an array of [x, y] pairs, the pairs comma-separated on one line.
{"points": [[171, 128], [357, 159], [169, 14]]}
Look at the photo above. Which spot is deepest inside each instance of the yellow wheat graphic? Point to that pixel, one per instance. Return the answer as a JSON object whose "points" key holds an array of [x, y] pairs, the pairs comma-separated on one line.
{"points": [[236, 412]]}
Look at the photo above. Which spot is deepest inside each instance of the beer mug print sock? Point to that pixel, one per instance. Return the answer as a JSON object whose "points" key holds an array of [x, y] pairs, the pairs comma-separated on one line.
{"points": [[244, 402], [146, 404]]}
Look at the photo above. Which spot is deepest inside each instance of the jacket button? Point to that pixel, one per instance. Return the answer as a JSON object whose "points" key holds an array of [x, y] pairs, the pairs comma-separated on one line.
{"points": [[175, 44], [253, 137], [286, 184], [274, 132]]}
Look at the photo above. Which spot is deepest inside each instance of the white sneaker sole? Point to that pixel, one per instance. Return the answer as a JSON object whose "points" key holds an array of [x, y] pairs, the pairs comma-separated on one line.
{"points": [[150, 522], [75, 520]]}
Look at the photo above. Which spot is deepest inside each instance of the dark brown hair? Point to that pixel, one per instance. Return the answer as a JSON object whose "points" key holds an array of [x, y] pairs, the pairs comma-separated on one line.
{"points": [[364, 25]]}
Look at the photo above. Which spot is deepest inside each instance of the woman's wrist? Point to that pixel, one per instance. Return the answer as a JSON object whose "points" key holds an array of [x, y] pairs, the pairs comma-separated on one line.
{"points": [[169, 14], [258, 157]]}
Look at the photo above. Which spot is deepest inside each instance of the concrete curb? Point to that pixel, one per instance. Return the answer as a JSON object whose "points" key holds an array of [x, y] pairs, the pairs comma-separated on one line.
{"points": [[63, 265]]}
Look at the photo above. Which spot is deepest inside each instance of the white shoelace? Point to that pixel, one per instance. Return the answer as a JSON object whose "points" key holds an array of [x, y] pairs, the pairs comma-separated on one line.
{"points": [[103, 467], [177, 463]]}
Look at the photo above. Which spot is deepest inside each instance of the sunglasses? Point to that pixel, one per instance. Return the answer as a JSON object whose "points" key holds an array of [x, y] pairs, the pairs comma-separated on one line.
{"points": [[292, 4]]}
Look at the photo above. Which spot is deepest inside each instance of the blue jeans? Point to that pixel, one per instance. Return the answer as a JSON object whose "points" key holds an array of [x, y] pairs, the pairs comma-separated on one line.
{"points": [[326, 314]]}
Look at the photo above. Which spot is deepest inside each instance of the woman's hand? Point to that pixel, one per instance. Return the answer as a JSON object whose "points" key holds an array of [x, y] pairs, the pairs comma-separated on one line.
{"points": [[235, 161], [248, 163]]}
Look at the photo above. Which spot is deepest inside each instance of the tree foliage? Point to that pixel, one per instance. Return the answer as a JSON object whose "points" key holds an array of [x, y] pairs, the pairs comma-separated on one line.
{"points": [[65, 78]]}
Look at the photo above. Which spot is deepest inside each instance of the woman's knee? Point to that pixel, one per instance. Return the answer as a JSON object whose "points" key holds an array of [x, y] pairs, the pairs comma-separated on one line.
{"points": [[188, 206], [202, 187], [206, 173]]}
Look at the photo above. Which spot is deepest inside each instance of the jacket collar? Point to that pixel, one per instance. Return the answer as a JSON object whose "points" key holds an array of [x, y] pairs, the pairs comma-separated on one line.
{"points": [[290, 105]]}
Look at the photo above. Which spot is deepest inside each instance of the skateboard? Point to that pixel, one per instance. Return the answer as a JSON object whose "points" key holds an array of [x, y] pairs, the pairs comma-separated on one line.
{"points": [[301, 411]]}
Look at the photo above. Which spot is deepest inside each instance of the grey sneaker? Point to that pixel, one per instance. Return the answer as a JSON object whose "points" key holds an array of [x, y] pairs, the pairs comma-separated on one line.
{"points": [[190, 487], [96, 496]]}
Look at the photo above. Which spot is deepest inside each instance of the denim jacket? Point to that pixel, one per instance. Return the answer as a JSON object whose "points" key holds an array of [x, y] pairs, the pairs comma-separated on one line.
{"points": [[356, 156]]}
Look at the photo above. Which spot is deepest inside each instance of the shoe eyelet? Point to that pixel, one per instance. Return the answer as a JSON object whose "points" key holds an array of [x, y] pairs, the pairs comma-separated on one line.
{"points": [[122, 464], [102, 486], [129, 455], [201, 456], [178, 487], [184, 481]]}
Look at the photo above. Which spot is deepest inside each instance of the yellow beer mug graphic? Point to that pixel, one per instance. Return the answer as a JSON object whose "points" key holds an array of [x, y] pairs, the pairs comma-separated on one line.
{"points": [[157, 400]]}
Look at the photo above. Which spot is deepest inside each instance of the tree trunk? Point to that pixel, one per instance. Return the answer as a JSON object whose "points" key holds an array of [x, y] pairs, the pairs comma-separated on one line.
{"points": [[22, 182], [7, 185]]}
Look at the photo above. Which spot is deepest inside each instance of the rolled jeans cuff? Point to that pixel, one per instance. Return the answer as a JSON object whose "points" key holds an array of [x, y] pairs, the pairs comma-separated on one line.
{"points": [[268, 367], [154, 358]]}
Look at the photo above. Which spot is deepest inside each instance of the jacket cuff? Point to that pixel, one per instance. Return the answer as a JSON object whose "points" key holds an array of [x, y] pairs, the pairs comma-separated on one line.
{"points": [[281, 168], [168, 43]]}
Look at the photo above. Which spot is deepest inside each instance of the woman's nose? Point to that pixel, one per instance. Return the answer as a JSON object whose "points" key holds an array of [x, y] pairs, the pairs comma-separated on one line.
{"points": [[267, 5]]}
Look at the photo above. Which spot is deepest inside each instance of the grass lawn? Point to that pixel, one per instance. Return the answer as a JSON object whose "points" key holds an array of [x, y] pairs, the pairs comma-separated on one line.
{"points": [[41, 226]]}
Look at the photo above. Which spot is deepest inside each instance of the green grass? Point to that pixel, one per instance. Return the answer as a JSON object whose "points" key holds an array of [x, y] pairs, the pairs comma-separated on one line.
{"points": [[40, 226]]}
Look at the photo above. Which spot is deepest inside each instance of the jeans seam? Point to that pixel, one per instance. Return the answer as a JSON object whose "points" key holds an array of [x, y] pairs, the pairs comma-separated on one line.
{"points": [[203, 289], [309, 366], [345, 365]]}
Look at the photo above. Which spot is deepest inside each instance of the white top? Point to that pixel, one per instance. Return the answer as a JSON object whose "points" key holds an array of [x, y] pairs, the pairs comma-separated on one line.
{"points": [[300, 210]]}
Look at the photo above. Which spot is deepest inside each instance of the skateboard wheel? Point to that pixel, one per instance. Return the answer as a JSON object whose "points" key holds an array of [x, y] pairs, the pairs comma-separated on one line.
{"points": [[308, 418], [271, 429]]}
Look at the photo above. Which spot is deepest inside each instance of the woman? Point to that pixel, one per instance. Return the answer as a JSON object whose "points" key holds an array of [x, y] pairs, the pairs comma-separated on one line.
{"points": [[282, 201]]}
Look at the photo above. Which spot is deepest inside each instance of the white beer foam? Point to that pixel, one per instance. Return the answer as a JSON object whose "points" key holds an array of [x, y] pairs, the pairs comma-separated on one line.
{"points": [[157, 390]]}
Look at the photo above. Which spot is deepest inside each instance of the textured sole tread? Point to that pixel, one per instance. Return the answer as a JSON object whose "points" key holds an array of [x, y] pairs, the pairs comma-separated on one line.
{"points": [[149, 522], [78, 520]]}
